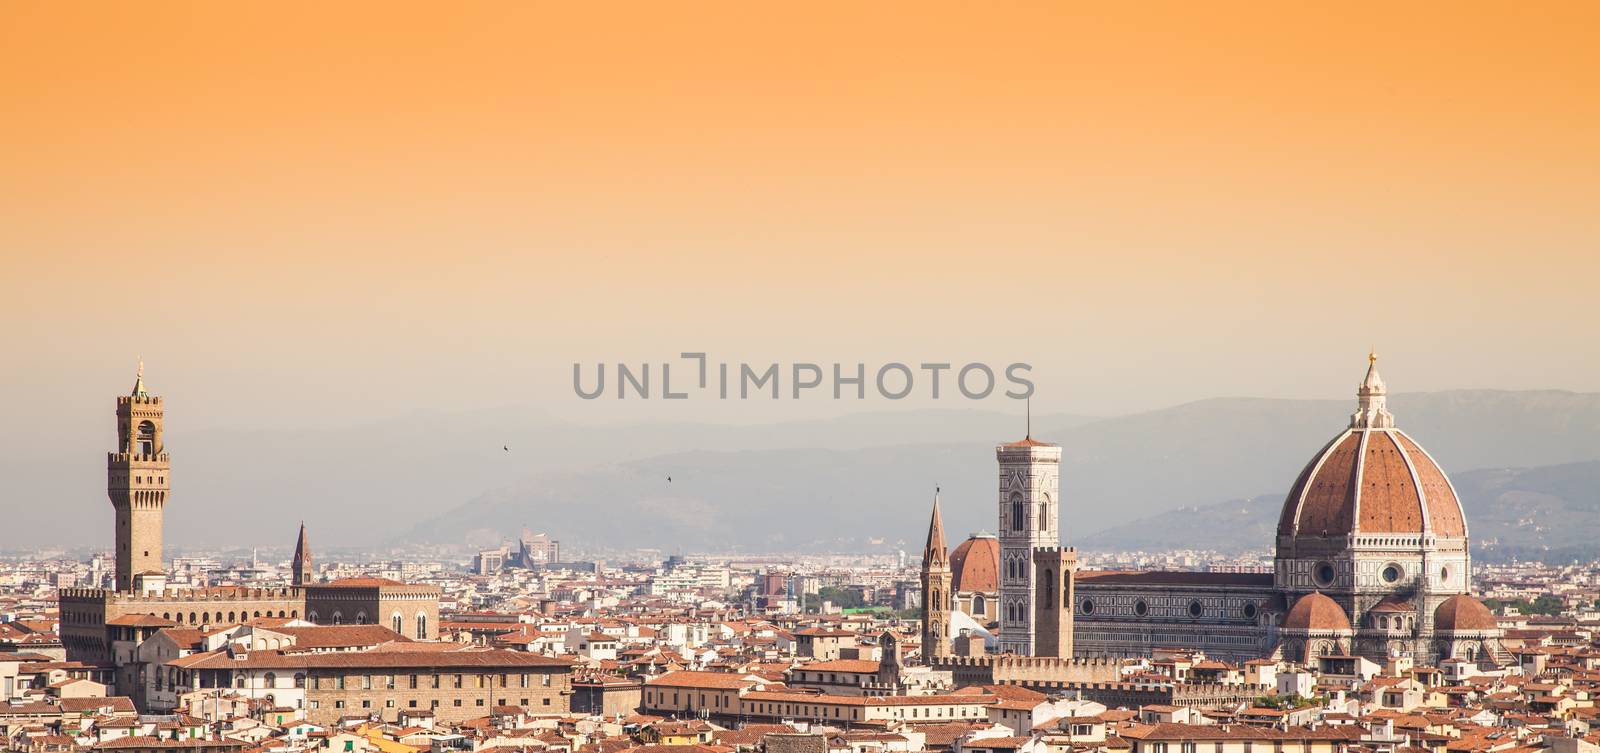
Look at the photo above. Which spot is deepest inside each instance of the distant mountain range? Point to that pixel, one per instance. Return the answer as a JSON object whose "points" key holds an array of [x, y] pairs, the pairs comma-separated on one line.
{"points": [[1549, 513], [854, 483], [1123, 478]]}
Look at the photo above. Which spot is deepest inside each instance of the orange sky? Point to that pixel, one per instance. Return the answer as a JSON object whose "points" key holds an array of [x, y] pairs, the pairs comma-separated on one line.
{"points": [[365, 209]]}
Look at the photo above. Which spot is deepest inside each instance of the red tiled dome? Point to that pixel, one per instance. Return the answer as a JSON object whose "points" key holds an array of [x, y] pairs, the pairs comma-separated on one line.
{"points": [[1316, 612], [975, 565], [1462, 612], [1372, 480]]}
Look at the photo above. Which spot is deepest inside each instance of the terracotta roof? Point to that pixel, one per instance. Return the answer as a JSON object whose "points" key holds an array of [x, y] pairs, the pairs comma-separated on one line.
{"points": [[1371, 481], [1315, 611], [710, 680], [116, 703], [1393, 605], [357, 583], [338, 636], [840, 665], [1173, 577], [140, 620], [1027, 442], [1462, 612], [369, 659], [975, 565]]}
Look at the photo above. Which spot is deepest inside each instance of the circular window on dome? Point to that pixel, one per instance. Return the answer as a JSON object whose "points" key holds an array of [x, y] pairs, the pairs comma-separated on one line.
{"points": [[1444, 573], [1250, 611], [1195, 610], [1324, 573], [1140, 608], [1086, 606], [1392, 573]]}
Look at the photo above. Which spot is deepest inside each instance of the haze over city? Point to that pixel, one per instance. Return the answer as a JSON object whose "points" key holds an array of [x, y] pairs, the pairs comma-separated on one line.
{"points": [[324, 223]]}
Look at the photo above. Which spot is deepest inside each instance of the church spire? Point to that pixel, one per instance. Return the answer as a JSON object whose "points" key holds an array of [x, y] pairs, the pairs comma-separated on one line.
{"points": [[934, 551], [1372, 399], [936, 583], [302, 558]]}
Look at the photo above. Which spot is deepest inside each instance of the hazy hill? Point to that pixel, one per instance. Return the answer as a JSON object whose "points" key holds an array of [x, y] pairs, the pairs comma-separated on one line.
{"points": [[828, 483], [1550, 513], [1116, 471], [366, 483]]}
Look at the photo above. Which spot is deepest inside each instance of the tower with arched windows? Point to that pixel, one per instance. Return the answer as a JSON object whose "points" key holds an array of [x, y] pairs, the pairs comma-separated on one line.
{"points": [[137, 482], [1029, 498], [935, 590]]}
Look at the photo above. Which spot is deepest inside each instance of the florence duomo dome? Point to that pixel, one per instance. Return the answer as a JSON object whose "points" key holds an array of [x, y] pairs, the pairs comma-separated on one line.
{"points": [[1373, 524]]}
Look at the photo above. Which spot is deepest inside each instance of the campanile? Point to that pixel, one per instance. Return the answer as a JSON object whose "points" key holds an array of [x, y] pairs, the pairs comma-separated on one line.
{"points": [[137, 482]]}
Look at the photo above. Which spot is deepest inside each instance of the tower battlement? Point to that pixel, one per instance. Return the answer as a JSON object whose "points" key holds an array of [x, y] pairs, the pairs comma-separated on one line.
{"points": [[1017, 660], [183, 595], [128, 400], [136, 457]]}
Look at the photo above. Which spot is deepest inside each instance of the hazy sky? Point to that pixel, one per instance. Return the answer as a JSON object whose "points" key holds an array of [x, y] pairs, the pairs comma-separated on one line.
{"points": [[318, 213]]}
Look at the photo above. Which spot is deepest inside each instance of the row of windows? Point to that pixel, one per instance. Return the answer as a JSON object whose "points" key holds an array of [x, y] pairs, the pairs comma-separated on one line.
{"points": [[1141, 608], [396, 622], [367, 682], [434, 703], [205, 618]]}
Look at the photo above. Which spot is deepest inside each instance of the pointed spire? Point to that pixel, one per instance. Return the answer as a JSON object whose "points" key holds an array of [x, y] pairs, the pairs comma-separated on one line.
{"points": [[934, 551], [302, 558], [138, 381]]}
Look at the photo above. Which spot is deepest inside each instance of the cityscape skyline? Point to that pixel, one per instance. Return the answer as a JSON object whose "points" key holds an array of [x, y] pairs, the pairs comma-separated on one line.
{"points": [[827, 377]]}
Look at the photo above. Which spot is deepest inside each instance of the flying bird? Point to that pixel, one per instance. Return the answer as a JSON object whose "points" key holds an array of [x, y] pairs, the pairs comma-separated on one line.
{"points": [[507, 448], [669, 479]]}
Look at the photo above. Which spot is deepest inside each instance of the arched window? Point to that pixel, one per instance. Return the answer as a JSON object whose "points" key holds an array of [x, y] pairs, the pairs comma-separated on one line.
{"points": [[398, 623], [1044, 516], [192, 620], [269, 680], [231, 617], [422, 626], [299, 679], [338, 618], [147, 438], [205, 617], [977, 604], [1018, 513]]}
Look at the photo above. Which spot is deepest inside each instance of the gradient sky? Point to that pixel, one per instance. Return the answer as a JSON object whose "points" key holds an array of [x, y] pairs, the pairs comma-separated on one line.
{"points": [[318, 213]]}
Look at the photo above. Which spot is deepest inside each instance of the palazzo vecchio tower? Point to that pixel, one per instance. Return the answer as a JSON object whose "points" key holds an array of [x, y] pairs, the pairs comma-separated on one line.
{"points": [[136, 481]]}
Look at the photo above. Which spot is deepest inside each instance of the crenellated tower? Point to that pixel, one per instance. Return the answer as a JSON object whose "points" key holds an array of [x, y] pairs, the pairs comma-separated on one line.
{"points": [[137, 481], [936, 580], [1030, 478]]}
